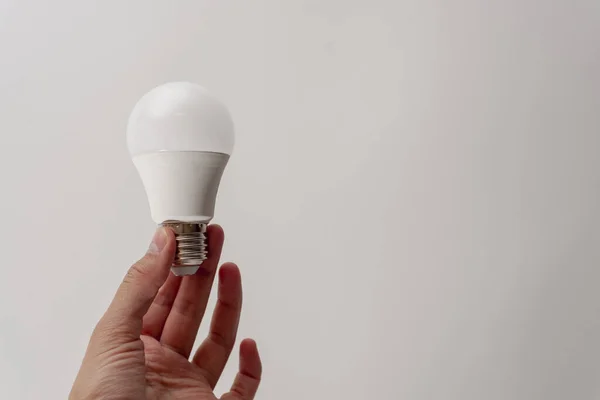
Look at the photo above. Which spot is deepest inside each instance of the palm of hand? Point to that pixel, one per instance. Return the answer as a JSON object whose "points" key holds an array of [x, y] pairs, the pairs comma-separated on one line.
{"points": [[169, 375]]}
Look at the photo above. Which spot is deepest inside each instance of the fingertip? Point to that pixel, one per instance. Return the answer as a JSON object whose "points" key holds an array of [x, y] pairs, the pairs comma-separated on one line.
{"points": [[169, 232], [229, 265], [216, 235], [249, 345], [228, 272], [163, 241], [215, 228], [248, 378], [250, 362], [163, 249], [168, 235]]}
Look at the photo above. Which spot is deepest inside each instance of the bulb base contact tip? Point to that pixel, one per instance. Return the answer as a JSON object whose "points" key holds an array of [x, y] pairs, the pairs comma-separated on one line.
{"points": [[191, 246]]}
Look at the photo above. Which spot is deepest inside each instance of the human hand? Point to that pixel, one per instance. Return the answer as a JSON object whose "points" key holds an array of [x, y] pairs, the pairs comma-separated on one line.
{"points": [[140, 348]]}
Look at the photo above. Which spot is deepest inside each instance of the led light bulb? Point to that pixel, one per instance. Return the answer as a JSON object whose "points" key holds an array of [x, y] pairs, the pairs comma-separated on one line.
{"points": [[180, 138]]}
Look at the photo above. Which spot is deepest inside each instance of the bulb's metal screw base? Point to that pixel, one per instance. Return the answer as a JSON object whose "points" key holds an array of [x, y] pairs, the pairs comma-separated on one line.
{"points": [[191, 242]]}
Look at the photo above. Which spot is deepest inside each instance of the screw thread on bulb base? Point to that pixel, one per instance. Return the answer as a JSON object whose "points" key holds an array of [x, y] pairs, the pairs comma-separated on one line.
{"points": [[191, 242]]}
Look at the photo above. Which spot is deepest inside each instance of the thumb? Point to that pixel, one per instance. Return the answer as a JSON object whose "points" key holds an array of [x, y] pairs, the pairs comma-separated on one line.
{"points": [[140, 286]]}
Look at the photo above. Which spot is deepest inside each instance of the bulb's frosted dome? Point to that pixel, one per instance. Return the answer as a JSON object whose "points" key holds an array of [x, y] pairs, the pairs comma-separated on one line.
{"points": [[179, 116]]}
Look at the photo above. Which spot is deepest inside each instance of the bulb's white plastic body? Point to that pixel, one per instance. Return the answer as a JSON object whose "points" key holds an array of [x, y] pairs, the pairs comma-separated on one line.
{"points": [[181, 186], [180, 138]]}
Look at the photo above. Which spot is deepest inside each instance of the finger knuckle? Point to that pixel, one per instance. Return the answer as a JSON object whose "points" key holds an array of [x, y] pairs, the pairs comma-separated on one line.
{"points": [[222, 340], [138, 270]]}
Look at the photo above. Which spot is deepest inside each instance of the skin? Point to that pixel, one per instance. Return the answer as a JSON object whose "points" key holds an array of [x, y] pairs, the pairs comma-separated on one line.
{"points": [[141, 347]]}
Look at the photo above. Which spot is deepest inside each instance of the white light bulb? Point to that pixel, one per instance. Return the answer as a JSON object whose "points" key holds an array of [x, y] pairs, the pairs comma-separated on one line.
{"points": [[180, 138]]}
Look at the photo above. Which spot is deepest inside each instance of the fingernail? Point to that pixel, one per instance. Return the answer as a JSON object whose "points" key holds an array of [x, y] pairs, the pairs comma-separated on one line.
{"points": [[158, 241]]}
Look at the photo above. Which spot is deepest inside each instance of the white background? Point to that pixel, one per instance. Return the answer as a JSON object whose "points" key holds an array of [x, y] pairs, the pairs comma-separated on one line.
{"points": [[414, 198]]}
